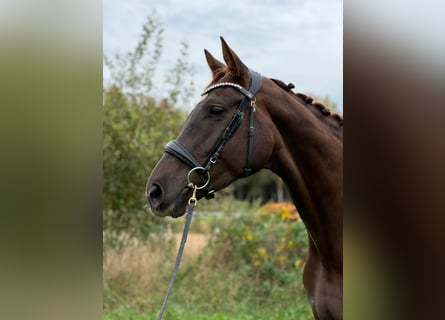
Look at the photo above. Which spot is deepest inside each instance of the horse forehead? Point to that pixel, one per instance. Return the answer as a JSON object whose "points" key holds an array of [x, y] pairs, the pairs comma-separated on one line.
{"points": [[225, 96]]}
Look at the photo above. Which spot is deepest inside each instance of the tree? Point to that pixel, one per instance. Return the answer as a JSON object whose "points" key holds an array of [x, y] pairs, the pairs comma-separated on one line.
{"points": [[136, 128], [134, 72], [180, 78]]}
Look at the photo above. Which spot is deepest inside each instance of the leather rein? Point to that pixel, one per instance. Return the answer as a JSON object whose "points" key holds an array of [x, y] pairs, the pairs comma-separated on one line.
{"points": [[175, 149]]}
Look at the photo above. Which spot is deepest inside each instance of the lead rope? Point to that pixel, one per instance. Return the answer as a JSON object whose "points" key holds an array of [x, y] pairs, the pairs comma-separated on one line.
{"points": [[191, 205]]}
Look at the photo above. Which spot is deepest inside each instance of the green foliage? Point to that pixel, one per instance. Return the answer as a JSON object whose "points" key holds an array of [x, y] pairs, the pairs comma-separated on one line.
{"points": [[180, 78], [240, 274], [136, 128], [267, 246], [134, 71], [295, 312], [134, 136], [262, 186]]}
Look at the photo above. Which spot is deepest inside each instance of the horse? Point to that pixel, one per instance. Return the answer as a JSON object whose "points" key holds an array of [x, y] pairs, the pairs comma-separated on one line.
{"points": [[288, 133]]}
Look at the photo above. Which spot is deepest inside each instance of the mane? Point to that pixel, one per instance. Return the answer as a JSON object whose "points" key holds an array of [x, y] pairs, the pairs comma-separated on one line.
{"points": [[332, 119]]}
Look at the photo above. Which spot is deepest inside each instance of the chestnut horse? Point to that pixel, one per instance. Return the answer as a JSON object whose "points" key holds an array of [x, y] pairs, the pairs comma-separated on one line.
{"points": [[297, 139]]}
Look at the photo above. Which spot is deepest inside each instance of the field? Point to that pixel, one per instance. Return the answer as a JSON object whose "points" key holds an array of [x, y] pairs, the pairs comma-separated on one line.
{"points": [[241, 267]]}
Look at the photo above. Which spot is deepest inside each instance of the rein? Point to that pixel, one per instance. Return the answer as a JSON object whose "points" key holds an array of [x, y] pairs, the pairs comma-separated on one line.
{"points": [[203, 171], [191, 205]]}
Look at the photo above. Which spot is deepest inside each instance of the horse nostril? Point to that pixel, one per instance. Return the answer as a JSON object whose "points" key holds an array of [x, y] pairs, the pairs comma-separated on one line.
{"points": [[155, 195]]}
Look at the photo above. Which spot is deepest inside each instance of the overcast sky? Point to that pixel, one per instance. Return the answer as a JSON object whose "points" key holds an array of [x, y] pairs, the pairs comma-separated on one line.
{"points": [[294, 41]]}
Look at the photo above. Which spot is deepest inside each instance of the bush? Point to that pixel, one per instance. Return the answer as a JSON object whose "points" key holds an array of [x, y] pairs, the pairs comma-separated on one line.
{"points": [[134, 132], [136, 127], [251, 269], [267, 246]]}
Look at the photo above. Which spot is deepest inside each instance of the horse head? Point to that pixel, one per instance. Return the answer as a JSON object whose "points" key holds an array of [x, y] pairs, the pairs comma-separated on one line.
{"points": [[226, 137]]}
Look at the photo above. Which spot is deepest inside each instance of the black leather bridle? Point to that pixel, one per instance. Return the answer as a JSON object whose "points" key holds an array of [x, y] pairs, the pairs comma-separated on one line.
{"points": [[175, 149]]}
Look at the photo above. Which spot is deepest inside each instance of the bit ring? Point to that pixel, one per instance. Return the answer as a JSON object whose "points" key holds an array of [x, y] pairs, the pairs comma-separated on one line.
{"points": [[196, 169]]}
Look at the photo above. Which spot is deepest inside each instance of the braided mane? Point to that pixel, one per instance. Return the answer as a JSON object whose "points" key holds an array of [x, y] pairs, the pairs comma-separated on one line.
{"points": [[309, 101]]}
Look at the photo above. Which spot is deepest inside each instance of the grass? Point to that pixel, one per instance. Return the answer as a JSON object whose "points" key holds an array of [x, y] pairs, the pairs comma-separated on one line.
{"points": [[208, 285], [237, 313]]}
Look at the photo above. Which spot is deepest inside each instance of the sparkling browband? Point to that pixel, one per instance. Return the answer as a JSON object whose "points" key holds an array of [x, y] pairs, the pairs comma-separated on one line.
{"points": [[229, 84]]}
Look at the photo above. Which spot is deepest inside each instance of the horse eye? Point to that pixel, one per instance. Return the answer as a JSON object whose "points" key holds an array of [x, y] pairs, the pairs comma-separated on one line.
{"points": [[216, 111]]}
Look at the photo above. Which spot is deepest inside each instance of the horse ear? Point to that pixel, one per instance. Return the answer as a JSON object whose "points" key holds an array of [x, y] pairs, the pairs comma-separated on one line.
{"points": [[234, 64], [214, 64]]}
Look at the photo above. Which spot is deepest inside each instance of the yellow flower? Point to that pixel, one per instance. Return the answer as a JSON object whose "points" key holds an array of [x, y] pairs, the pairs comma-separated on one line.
{"points": [[248, 236], [262, 252], [297, 263], [284, 211]]}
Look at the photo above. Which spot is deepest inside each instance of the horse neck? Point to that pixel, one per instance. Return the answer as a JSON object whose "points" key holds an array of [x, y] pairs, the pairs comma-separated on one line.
{"points": [[309, 158]]}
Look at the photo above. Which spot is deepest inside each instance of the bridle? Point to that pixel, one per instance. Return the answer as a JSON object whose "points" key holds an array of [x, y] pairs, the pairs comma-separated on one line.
{"points": [[174, 148], [177, 150]]}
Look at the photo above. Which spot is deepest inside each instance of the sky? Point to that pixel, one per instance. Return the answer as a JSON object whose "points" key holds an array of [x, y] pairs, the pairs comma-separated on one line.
{"points": [[295, 41]]}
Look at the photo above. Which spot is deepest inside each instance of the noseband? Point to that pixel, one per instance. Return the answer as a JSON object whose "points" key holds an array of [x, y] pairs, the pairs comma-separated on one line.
{"points": [[175, 149]]}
